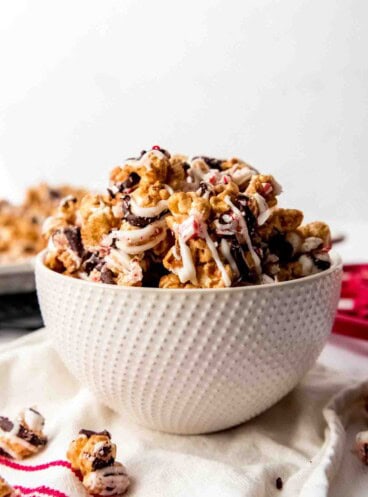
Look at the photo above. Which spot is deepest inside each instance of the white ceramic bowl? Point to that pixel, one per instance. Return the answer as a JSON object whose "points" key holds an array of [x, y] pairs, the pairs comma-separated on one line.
{"points": [[189, 361]]}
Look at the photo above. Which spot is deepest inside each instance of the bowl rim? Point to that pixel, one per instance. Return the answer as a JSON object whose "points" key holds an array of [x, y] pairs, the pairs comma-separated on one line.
{"points": [[335, 266]]}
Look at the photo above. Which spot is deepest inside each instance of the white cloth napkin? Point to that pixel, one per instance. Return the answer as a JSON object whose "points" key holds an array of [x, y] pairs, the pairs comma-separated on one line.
{"points": [[301, 439]]}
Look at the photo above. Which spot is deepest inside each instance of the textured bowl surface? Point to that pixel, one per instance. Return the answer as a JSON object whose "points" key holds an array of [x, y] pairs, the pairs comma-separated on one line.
{"points": [[189, 361]]}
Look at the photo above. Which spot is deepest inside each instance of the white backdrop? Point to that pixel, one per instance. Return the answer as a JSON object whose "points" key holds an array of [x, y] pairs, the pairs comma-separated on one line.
{"points": [[282, 84]]}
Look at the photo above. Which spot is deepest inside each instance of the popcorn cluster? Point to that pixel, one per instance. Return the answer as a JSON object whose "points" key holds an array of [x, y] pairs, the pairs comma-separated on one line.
{"points": [[21, 225], [92, 455], [23, 437], [174, 222]]}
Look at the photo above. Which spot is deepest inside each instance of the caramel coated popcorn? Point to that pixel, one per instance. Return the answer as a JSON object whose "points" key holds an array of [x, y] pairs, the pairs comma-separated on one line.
{"points": [[6, 490], [21, 225], [179, 222], [24, 436], [92, 455]]}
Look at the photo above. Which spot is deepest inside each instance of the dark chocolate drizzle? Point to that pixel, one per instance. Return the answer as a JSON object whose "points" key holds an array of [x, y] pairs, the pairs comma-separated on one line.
{"points": [[73, 235], [204, 188], [3, 453], [162, 150], [54, 194], [321, 264], [120, 473], [92, 261], [279, 246], [279, 483], [211, 162], [222, 219], [107, 276], [237, 249], [132, 180], [102, 463], [137, 158], [138, 221], [151, 277], [365, 453], [68, 199], [89, 433], [31, 437], [34, 410], [242, 204], [6, 424], [246, 275]]}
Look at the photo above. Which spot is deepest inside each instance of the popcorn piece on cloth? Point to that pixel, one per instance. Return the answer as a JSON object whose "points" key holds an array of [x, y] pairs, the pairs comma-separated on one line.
{"points": [[178, 222], [110, 480], [24, 437], [92, 454], [6, 490]]}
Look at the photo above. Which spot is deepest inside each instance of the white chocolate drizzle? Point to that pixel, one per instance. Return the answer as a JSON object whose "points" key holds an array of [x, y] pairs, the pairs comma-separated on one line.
{"points": [[187, 272], [216, 258], [266, 279], [295, 241], [145, 160], [138, 240], [307, 265], [226, 252], [245, 234], [48, 225], [154, 211], [169, 189], [33, 419], [119, 261], [311, 243], [194, 225], [240, 173], [111, 480], [264, 210], [262, 218], [198, 169], [261, 202]]}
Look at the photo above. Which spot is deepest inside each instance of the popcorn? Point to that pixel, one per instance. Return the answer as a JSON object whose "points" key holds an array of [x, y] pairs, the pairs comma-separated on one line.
{"points": [[24, 437], [176, 174], [65, 249], [93, 455], [176, 222], [6, 490], [21, 225], [96, 218]]}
